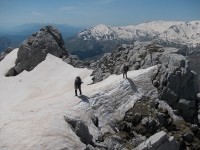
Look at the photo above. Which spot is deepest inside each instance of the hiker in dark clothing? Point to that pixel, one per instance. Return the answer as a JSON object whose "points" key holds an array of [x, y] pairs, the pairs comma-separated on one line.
{"points": [[125, 70], [77, 85]]}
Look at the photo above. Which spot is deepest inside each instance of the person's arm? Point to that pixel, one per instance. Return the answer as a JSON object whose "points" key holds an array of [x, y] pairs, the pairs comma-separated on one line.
{"points": [[81, 81]]}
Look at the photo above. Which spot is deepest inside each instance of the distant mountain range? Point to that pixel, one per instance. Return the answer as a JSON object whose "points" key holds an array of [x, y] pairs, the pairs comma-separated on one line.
{"points": [[12, 37], [95, 41], [103, 38]]}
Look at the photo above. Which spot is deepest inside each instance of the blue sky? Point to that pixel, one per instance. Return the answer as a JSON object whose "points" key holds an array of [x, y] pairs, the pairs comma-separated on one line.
{"points": [[93, 12]]}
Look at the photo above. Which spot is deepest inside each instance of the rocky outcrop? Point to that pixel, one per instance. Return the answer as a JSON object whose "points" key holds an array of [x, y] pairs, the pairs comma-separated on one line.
{"points": [[159, 141], [154, 117], [6, 52], [81, 130], [195, 64], [75, 61], [198, 106], [175, 82], [138, 56], [35, 49]]}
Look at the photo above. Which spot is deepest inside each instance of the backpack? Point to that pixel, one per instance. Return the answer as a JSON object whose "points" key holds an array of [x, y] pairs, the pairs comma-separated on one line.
{"points": [[125, 68], [78, 81]]}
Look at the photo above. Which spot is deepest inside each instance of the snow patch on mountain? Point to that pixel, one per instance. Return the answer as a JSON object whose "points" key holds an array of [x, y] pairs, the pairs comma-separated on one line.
{"points": [[9, 62], [187, 33]]}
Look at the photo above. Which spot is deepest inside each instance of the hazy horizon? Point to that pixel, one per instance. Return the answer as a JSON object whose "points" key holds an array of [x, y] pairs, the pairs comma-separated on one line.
{"points": [[93, 12]]}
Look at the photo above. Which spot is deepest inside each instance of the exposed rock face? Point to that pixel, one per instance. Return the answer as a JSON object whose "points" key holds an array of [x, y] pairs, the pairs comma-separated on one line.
{"points": [[75, 61], [3, 54], [195, 64], [159, 141], [156, 117], [198, 106], [34, 49], [175, 82], [139, 56], [81, 130]]}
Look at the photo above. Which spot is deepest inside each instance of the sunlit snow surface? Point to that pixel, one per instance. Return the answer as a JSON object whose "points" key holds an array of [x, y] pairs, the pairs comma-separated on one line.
{"points": [[32, 104]]}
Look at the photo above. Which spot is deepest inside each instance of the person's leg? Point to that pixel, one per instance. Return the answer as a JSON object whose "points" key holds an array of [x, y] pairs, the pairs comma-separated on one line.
{"points": [[76, 92], [80, 90], [126, 74], [123, 74]]}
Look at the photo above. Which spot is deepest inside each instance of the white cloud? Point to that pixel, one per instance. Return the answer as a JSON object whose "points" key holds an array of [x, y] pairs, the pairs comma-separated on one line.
{"points": [[67, 8], [35, 13]]}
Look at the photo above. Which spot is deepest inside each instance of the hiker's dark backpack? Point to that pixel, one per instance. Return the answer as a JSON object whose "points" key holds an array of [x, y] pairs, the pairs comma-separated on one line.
{"points": [[78, 81], [125, 68]]}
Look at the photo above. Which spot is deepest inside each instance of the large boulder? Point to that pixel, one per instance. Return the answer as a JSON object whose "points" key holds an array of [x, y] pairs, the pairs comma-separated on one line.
{"points": [[159, 141], [81, 130], [176, 84], [114, 142], [34, 50]]}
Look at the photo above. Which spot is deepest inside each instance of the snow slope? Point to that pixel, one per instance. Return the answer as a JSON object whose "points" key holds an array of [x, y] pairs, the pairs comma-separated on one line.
{"points": [[32, 104], [168, 31]]}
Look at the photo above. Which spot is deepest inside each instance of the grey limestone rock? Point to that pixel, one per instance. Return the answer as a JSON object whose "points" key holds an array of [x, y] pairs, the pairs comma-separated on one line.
{"points": [[174, 79], [159, 141], [95, 120], [114, 142], [149, 122], [3, 54], [89, 147], [81, 130], [34, 50], [75, 61]]}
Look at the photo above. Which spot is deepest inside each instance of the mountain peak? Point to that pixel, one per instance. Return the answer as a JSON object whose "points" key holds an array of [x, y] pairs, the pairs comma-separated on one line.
{"points": [[167, 31], [101, 29], [101, 26]]}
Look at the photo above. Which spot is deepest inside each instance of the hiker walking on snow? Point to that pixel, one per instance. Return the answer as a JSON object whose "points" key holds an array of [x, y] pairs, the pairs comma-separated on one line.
{"points": [[77, 85], [125, 70]]}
